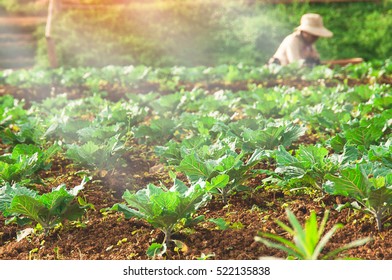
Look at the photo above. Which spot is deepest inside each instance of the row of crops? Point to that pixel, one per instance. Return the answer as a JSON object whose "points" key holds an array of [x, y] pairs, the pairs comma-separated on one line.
{"points": [[172, 77], [314, 141]]}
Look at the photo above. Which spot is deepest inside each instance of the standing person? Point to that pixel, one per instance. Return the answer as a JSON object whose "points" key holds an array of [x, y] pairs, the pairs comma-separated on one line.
{"points": [[299, 46]]}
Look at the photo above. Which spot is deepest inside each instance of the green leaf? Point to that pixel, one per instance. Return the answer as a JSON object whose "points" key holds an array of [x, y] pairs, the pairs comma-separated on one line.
{"points": [[312, 233], [366, 132], [308, 241], [382, 153], [140, 201], [285, 159], [23, 150], [352, 182], [292, 133], [29, 207], [299, 233], [72, 212], [56, 201], [8, 192], [381, 198], [193, 168], [338, 142], [349, 155], [128, 212], [156, 249], [309, 156], [256, 156], [167, 201], [179, 187], [218, 182], [220, 223], [286, 245]]}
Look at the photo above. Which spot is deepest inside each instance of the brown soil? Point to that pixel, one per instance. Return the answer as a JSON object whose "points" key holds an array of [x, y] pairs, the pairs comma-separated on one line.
{"points": [[102, 234], [107, 235]]}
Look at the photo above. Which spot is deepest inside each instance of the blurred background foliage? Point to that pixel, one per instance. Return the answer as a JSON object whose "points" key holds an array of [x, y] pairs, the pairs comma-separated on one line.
{"points": [[205, 32]]}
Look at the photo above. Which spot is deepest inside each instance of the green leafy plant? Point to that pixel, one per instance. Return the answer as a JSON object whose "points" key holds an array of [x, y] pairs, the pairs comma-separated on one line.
{"points": [[173, 152], [311, 164], [11, 110], [50, 209], [222, 224], [24, 162], [323, 117], [164, 208], [381, 153], [104, 156], [159, 131], [369, 184], [27, 131], [271, 136], [308, 241], [363, 132], [236, 168], [15, 124]]}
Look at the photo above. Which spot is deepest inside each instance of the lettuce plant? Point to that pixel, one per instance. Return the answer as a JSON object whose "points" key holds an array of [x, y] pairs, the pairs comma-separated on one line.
{"points": [[308, 241], [16, 126], [49, 209]]}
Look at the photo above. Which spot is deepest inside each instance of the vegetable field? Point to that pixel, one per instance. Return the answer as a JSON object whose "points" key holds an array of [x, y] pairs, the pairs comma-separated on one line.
{"points": [[226, 162]]}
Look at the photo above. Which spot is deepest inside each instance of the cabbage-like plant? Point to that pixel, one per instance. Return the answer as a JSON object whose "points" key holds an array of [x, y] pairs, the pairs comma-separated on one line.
{"points": [[23, 205], [24, 163], [164, 208], [369, 184]]}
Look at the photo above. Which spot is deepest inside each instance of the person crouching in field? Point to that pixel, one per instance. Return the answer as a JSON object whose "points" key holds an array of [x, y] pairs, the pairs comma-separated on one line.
{"points": [[299, 46]]}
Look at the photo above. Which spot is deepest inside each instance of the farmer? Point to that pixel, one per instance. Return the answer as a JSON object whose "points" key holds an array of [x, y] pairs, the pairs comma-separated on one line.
{"points": [[299, 46]]}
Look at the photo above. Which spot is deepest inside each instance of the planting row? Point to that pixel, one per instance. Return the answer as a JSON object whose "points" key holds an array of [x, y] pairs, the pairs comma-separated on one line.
{"points": [[175, 77]]}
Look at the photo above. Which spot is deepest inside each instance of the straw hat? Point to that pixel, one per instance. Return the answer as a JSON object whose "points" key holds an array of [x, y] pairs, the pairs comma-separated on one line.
{"points": [[313, 24]]}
